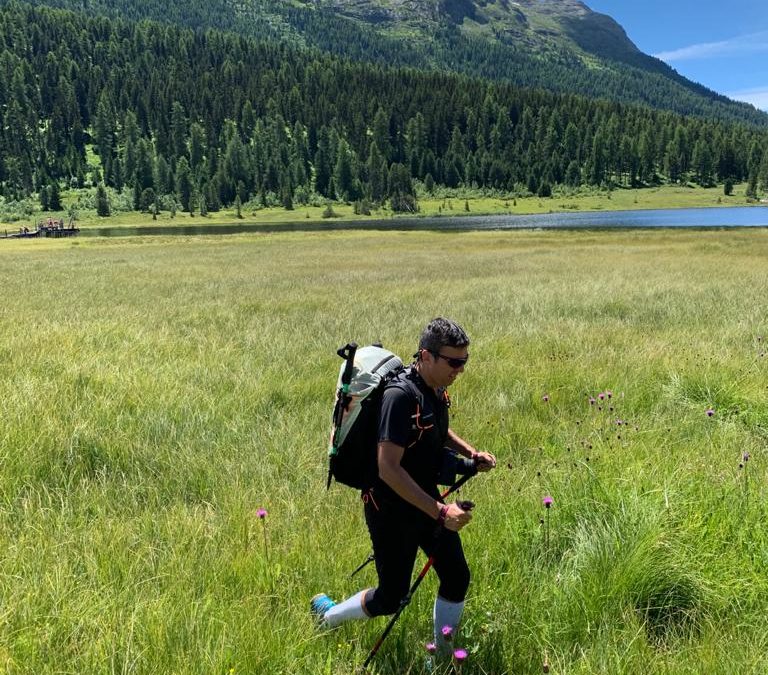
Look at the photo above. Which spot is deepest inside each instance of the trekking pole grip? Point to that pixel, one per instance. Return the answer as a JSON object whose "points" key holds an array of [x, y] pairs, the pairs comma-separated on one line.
{"points": [[348, 354]]}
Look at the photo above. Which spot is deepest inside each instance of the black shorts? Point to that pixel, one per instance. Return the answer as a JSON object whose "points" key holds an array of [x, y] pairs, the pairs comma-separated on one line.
{"points": [[398, 531]]}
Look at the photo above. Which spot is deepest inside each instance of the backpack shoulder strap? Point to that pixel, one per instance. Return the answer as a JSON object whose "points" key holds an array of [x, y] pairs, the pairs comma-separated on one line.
{"points": [[404, 381]]}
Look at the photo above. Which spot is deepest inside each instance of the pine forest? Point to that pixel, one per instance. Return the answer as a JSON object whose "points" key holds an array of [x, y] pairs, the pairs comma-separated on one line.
{"points": [[168, 118]]}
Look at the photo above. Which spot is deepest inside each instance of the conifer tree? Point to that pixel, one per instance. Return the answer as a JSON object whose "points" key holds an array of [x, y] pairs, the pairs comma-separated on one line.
{"points": [[344, 173], [402, 197], [178, 131], [54, 191], [197, 147], [322, 164], [102, 201], [376, 168], [380, 134], [184, 184]]}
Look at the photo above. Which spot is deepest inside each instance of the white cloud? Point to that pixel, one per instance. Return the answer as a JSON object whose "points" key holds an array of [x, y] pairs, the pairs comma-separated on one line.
{"points": [[743, 44], [757, 96]]}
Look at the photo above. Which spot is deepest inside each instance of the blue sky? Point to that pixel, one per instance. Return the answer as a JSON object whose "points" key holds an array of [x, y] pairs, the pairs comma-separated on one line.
{"points": [[722, 45]]}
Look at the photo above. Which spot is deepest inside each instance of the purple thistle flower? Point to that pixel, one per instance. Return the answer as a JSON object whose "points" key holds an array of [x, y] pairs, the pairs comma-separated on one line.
{"points": [[460, 655], [261, 513], [447, 632], [601, 396], [547, 501], [545, 398], [591, 400], [431, 647], [609, 393], [745, 457], [710, 412]]}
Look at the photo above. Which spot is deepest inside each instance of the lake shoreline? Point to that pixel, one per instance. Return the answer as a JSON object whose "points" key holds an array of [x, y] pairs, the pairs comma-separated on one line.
{"points": [[703, 218], [446, 205], [695, 218]]}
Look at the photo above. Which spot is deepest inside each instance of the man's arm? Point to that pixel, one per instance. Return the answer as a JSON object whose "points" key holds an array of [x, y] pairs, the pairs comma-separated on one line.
{"points": [[485, 460], [393, 474]]}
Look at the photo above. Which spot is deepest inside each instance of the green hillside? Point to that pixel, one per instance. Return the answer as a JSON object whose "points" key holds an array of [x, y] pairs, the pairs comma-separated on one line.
{"points": [[558, 45]]}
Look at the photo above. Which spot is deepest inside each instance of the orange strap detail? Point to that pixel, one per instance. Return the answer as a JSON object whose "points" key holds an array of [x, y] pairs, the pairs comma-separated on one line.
{"points": [[368, 496], [417, 421]]}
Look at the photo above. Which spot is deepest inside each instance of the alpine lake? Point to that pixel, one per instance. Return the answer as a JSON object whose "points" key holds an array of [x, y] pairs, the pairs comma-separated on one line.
{"points": [[711, 217]]}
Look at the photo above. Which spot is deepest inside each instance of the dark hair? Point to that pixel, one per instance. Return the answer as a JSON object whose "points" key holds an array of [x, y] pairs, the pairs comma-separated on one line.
{"points": [[442, 332]]}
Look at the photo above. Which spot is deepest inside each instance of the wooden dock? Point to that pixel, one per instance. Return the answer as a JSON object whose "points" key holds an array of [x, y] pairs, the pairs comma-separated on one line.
{"points": [[50, 228]]}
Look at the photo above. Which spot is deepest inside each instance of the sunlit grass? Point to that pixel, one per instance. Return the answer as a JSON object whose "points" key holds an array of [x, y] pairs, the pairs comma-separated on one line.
{"points": [[155, 393]]}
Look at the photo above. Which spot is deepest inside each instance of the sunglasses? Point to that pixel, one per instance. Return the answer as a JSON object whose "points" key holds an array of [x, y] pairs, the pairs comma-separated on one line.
{"points": [[452, 362]]}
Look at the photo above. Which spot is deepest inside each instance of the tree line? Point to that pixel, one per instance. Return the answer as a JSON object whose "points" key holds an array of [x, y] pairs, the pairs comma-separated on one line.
{"points": [[206, 119]]}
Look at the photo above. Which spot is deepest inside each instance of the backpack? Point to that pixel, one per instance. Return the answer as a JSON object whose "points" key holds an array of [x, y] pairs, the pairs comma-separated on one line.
{"points": [[362, 379]]}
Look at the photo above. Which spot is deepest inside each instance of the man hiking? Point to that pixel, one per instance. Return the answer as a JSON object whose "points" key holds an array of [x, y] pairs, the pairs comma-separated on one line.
{"points": [[403, 508]]}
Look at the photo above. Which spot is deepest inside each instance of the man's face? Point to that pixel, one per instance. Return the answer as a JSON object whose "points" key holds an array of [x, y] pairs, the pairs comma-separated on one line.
{"points": [[445, 365]]}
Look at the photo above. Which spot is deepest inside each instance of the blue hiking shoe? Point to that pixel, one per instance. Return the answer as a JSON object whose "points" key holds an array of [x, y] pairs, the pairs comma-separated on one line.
{"points": [[318, 606]]}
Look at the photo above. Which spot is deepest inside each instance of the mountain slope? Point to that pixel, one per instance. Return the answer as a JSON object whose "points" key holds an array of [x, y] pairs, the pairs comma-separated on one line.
{"points": [[558, 45]]}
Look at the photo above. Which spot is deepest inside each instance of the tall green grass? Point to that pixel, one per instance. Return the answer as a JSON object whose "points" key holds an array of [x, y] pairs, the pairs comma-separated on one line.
{"points": [[154, 393]]}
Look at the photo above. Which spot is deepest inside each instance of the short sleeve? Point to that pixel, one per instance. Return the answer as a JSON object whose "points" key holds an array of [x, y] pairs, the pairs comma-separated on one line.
{"points": [[395, 421]]}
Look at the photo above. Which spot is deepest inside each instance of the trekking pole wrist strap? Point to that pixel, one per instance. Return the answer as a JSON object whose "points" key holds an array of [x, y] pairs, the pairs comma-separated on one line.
{"points": [[443, 513]]}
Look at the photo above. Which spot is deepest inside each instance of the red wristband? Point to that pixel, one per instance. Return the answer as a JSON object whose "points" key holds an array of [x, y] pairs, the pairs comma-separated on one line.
{"points": [[441, 517]]}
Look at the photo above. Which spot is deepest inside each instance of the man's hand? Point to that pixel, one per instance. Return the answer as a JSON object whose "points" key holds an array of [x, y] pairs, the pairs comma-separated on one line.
{"points": [[485, 461], [456, 518]]}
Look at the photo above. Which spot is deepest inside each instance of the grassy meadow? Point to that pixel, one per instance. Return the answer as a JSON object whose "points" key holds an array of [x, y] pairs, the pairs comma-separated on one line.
{"points": [[157, 392]]}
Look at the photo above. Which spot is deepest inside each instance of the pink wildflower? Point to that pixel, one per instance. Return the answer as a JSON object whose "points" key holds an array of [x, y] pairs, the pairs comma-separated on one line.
{"points": [[261, 513], [547, 501], [460, 655]]}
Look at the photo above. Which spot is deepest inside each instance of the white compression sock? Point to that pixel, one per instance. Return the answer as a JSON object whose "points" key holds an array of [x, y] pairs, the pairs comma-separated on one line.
{"points": [[446, 614], [351, 608]]}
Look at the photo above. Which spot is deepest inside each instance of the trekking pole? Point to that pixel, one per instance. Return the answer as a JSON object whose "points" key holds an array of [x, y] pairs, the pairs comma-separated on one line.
{"points": [[465, 506], [465, 477], [364, 564]]}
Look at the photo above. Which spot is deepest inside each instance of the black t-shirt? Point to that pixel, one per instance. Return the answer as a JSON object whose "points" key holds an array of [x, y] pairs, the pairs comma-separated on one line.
{"points": [[414, 417]]}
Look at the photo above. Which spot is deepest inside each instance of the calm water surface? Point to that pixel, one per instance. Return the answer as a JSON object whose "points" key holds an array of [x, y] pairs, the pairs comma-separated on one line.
{"points": [[746, 216]]}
